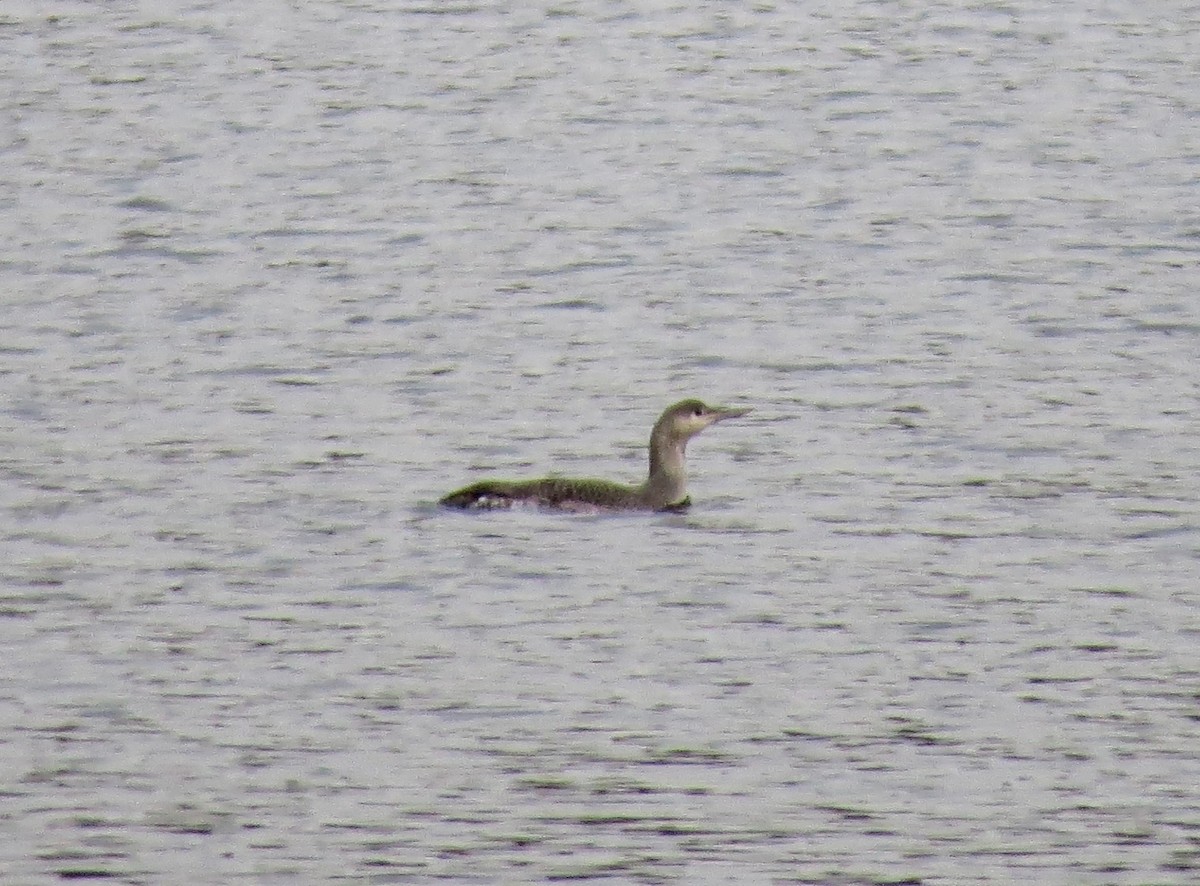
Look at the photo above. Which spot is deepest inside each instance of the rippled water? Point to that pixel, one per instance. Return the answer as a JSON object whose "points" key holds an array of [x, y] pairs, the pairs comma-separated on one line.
{"points": [[279, 275]]}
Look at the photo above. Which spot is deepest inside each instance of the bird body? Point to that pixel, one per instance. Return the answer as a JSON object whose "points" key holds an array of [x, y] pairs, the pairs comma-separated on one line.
{"points": [[564, 493], [665, 489]]}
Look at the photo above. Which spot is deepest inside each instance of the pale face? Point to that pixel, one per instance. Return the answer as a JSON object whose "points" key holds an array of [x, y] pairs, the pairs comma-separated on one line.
{"points": [[691, 417]]}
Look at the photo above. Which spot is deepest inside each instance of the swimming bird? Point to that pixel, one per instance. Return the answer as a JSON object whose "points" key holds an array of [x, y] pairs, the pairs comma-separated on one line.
{"points": [[665, 489]]}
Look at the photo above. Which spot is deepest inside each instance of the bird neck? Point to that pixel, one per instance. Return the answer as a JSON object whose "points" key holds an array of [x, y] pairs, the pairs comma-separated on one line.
{"points": [[667, 483]]}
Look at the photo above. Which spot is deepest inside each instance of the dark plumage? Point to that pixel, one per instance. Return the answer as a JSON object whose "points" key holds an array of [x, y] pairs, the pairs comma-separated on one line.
{"points": [[665, 489]]}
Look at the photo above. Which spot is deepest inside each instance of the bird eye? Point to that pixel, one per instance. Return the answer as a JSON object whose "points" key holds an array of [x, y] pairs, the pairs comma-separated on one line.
{"points": [[697, 411]]}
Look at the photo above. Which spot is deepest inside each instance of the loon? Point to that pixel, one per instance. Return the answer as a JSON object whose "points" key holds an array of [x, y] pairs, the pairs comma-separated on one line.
{"points": [[665, 489]]}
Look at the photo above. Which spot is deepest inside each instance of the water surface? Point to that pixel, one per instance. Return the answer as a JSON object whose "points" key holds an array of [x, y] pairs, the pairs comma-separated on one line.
{"points": [[278, 276]]}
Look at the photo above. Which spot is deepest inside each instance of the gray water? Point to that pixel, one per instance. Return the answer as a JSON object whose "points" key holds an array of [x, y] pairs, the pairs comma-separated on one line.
{"points": [[278, 275]]}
